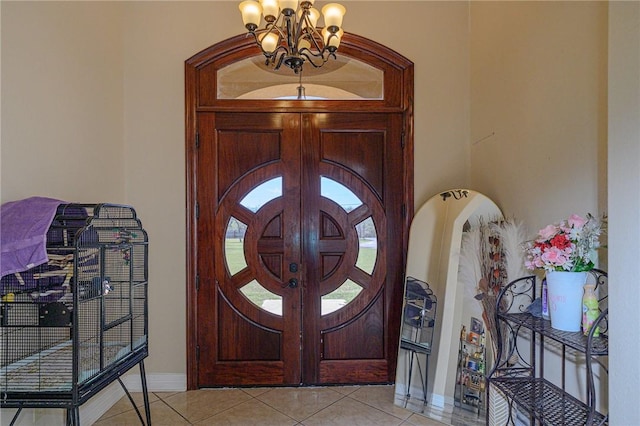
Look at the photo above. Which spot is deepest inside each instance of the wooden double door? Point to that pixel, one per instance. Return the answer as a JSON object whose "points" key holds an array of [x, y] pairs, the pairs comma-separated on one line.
{"points": [[299, 247]]}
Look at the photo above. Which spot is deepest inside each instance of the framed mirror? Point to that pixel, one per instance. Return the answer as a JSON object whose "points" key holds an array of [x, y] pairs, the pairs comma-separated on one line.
{"points": [[427, 378]]}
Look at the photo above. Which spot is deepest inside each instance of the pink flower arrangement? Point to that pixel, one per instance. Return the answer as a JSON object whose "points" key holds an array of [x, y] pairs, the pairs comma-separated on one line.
{"points": [[566, 246]]}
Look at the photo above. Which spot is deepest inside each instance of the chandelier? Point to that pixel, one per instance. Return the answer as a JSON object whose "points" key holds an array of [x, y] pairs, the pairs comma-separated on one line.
{"points": [[290, 35]]}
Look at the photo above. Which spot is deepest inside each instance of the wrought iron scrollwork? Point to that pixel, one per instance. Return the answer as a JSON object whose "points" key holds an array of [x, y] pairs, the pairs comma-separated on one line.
{"points": [[513, 299], [518, 375], [602, 289]]}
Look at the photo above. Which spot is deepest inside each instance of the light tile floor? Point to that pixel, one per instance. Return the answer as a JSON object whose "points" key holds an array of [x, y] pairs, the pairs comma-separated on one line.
{"points": [[306, 406]]}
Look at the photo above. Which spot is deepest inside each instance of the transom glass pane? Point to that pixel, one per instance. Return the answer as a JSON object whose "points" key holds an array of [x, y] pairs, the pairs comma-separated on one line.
{"points": [[262, 298], [368, 247], [339, 193], [339, 79], [262, 194], [233, 246], [339, 297]]}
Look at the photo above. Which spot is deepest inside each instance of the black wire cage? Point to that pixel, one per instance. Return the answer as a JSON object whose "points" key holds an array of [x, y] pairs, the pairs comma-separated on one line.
{"points": [[72, 326]]}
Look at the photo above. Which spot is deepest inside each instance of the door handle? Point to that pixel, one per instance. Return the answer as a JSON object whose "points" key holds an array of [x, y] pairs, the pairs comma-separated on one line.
{"points": [[293, 283]]}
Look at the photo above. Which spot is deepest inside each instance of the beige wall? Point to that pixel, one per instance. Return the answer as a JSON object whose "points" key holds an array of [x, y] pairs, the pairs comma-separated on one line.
{"points": [[440, 53], [62, 128], [538, 102], [538, 117], [93, 110]]}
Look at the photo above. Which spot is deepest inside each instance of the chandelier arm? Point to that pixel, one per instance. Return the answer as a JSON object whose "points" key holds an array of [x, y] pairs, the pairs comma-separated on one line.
{"points": [[325, 54], [279, 54], [269, 27], [312, 58], [273, 28], [304, 19], [276, 66], [269, 55], [255, 37], [331, 37], [320, 46], [266, 54], [312, 33], [314, 36]]}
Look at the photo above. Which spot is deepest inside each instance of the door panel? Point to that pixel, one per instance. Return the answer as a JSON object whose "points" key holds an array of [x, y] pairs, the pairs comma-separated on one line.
{"points": [[300, 262], [364, 154], [244, 342]]}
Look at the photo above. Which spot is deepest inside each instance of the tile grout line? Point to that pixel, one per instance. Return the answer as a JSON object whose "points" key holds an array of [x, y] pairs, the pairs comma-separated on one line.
{"points": [[378, 409], [342, 396], [219, 412], [170, 407], [299, 422], [254, 398], [353, 396]]}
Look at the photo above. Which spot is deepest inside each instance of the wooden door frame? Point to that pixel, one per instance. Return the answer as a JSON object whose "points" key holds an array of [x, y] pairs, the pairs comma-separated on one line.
{"points": [[200, 96]]}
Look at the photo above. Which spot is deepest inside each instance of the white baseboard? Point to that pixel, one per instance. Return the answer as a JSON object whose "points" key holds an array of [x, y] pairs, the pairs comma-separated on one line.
{"points": [[437, 400], [90, 411], [159, 382], [442, 401], [94, 408]]}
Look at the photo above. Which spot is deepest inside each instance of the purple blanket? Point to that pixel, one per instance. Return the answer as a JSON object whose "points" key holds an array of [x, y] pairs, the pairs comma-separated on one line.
{"points": [[23, 233]]}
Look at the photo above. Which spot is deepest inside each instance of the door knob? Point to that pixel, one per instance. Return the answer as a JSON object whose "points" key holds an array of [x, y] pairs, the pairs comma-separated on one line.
{"points": [[293, 283]]}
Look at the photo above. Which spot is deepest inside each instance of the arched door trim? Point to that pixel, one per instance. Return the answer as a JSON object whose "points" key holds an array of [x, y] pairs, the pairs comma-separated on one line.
{"points": [[201, 70], [200, 96]]}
